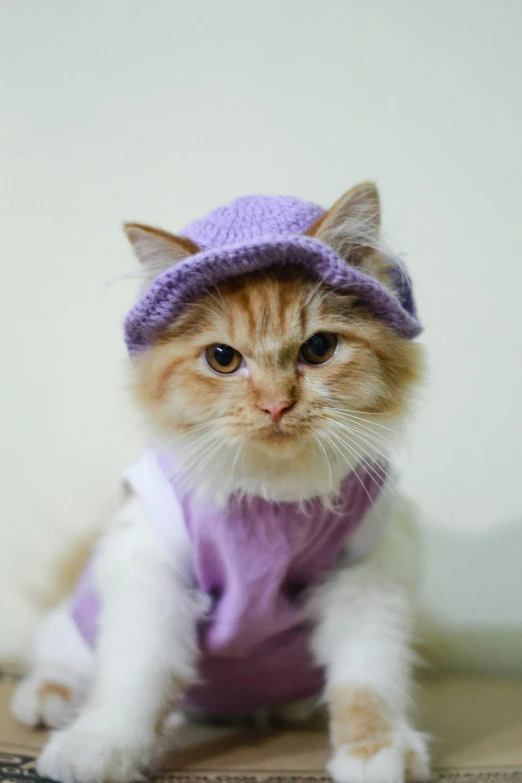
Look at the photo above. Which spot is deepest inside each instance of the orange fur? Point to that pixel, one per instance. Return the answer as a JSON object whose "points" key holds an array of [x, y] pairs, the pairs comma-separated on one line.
{"points": [[267, 317], [358, 717], [358, 193], [367, 750], [364, 198], [54, 689], [184, 242]]}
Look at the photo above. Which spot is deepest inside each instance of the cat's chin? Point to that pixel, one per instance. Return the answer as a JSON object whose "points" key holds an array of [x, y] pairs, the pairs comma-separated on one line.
{"points": [[277, 440]]}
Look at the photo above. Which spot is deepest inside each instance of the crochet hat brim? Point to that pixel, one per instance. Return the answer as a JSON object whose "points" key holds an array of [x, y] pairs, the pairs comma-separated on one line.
{"points": [[177, 287]]}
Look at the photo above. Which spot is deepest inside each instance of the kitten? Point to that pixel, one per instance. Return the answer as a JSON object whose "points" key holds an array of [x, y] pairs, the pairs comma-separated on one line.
{"points": [[260, 557]]}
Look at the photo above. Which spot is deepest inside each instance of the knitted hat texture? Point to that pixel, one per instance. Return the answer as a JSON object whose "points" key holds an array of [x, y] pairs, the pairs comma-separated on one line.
{"points": [[255, 233]]}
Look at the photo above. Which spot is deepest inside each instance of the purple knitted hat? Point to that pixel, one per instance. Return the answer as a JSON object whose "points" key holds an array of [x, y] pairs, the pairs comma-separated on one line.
{"points": [[254, 233]]}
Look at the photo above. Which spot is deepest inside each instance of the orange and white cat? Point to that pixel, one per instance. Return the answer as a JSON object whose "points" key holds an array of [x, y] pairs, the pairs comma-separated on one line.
{"points": [[275, 385]]}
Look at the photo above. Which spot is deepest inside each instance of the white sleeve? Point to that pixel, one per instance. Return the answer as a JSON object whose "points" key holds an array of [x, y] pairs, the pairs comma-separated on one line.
{"points": [[162, 507]]}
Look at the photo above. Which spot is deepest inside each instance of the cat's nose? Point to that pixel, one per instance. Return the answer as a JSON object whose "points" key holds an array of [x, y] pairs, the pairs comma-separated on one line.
{"points": [[275, 408]]}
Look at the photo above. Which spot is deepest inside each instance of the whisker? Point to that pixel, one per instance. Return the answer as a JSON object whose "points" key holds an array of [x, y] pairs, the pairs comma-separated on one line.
{"points": [[376, 468], [389, 485], [211, 455], [199, 447], [359, 428], [349, 414], [182, 436], [313, 293], [193, 446], [370, 444], [354, 470], [242, 443], [380, 447], [201, 460], [370, 467], [361, 413], [317, 440], [221, 304], [191, 428]]}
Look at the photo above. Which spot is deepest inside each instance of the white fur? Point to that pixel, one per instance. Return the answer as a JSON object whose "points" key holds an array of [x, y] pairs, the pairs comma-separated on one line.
{"points": [[146, 653], [315, 470], [363, 636], [388, 764], [147, 648], [290, 478], [61, 656], [155, 252], [147, 642]]}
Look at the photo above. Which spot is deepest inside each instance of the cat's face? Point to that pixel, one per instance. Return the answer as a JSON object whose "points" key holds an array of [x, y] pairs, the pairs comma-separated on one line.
{"points": [[275, 384]]}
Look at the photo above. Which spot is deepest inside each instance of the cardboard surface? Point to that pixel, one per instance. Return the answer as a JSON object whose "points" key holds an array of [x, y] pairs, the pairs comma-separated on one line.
{"points": [[476, 725]]}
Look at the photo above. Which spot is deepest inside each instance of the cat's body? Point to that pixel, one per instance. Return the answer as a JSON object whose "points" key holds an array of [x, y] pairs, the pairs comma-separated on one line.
{"points": [[272, 391]]}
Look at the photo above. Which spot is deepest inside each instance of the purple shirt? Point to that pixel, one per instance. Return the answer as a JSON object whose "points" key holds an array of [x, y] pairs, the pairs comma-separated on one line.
{"points": [[255, 559]]}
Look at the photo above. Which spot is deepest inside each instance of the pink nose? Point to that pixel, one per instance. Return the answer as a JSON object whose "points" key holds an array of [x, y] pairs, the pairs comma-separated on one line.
{"points": [[275, 408]]}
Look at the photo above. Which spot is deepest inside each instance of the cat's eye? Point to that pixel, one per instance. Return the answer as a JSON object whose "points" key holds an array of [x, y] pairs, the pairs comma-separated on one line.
{"points": [[223, 359], [319, 348]]}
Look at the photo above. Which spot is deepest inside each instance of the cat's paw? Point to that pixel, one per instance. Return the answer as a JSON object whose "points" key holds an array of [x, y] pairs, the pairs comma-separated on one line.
{"points": [[95, 749], [37, 702], [401, 757]]}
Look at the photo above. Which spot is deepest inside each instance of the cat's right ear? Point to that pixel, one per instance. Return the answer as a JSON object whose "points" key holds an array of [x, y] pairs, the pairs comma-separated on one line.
{"points": [[158, 250]]}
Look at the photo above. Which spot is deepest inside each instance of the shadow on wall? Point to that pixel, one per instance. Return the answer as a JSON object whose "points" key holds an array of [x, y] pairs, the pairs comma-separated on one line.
{"points": [[471, 615]]}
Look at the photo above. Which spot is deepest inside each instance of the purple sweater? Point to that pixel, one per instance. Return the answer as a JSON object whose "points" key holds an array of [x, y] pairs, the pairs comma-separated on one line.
{"points": [[255, 559]]}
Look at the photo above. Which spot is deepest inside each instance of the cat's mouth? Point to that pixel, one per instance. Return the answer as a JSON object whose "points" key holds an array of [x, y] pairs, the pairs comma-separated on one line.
{"points": [[279, 433]]}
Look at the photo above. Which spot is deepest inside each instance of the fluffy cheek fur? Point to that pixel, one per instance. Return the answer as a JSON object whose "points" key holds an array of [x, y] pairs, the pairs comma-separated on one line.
{"points": [[267, 318], [380, 373], [174, 392], [374, 372]]}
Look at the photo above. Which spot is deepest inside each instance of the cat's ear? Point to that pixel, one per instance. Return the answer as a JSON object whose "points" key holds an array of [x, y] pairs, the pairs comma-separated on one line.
{"points": [[158, 250], [352, 226]]}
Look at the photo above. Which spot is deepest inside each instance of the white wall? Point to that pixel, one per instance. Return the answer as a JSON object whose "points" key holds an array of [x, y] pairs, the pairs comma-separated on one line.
{"points": [[161, 110]]}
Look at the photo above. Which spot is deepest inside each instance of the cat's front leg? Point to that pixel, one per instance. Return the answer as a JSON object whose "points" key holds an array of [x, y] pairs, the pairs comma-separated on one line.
{"points": [[364, 616], [145, 657]]}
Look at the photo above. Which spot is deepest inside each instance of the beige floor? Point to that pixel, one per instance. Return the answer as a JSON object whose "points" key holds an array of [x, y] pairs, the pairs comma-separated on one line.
{"points": [[476, 724]]}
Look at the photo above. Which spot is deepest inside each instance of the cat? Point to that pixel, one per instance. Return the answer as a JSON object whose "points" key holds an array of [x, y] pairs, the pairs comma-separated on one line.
{"points": [[260, 558]]}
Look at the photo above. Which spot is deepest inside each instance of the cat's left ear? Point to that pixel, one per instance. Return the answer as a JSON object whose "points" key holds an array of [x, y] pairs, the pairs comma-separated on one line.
{"points": [[352, 226], [158, 250]]}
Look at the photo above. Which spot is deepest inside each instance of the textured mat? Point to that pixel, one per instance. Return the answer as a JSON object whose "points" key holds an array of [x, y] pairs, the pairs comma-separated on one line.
{"points": [[19, 767], [476, 726]]}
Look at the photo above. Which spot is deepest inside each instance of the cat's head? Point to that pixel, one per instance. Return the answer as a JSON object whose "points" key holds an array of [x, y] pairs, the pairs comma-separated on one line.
{"points": [[272, 382]]}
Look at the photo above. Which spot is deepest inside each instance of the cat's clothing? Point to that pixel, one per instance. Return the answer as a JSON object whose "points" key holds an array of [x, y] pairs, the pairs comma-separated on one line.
{"points": [[254, 233], [254, 559]]}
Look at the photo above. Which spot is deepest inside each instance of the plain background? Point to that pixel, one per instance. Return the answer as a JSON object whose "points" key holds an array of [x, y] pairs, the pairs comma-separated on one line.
{"points": [[158, 111]]}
